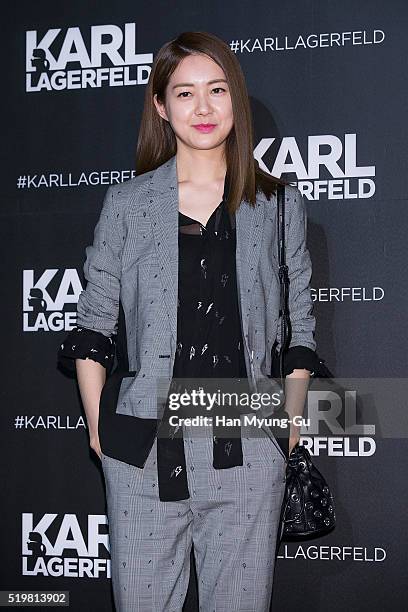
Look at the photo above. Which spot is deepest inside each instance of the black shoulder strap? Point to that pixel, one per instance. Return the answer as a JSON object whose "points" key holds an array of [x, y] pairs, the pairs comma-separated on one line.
{"points": [[286, 327], [320, 369]]}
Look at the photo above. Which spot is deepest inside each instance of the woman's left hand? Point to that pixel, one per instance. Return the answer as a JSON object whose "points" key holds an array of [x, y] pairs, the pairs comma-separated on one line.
{"points": [[293, 440]]}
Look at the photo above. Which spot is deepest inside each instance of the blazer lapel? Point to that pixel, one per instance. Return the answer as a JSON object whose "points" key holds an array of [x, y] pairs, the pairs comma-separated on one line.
{"points": [[163, 199]]}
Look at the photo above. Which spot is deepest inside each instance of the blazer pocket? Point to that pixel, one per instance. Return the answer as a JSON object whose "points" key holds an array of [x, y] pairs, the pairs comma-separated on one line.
{"points": [[138, 397]]}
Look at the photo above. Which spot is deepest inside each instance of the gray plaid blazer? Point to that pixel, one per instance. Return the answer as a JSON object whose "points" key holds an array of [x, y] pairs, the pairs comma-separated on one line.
{"points": [[134, 260]]}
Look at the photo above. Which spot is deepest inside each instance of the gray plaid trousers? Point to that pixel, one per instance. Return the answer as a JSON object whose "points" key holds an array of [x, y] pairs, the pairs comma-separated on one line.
{"points": [[232, 517]]}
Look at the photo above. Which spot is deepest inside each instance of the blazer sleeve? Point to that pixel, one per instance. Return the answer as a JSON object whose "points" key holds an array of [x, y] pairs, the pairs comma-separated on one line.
{"points": [[302, 350], [98, 304]]}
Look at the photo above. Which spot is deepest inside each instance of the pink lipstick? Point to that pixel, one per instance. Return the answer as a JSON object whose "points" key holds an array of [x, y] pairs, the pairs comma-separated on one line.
{"points": [[205, 128]]}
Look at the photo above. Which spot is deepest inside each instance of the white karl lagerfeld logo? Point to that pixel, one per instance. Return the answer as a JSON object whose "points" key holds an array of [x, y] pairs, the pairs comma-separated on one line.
{"points": [[327, 166], [71, 59], [48, 297], [56, 545]]}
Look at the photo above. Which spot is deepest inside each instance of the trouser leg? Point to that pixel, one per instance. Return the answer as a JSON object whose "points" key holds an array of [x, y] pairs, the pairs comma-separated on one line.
{"points": [[150, 540], [236, 518]]}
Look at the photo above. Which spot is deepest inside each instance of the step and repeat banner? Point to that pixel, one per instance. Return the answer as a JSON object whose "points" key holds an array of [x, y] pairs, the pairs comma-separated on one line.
{"points": [[328, 87]]}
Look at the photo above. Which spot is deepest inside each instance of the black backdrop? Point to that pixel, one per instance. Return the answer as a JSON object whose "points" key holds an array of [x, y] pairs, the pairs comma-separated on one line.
{"points": [[326, 79]]}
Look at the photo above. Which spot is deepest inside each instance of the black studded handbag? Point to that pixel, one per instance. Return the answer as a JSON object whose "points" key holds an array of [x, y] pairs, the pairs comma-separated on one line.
{"points": [[308, 505]]}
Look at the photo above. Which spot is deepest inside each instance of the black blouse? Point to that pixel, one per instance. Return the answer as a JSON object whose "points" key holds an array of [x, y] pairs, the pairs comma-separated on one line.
{"points": [[82, 343], [209, 341]]}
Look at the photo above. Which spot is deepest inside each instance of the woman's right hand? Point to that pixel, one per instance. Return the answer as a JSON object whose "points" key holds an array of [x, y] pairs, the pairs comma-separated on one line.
{"points": [[95, 445]]}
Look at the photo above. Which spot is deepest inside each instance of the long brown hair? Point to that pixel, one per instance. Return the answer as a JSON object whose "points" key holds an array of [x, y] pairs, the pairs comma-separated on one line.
{"points": [[157, 142]]}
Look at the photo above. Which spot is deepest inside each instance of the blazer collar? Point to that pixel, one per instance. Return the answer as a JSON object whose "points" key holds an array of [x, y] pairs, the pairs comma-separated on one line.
{"points": [[162, 200]]}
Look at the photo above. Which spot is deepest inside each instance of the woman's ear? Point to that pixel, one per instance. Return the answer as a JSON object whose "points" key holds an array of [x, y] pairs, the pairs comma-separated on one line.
{"points": [[161, 109]]}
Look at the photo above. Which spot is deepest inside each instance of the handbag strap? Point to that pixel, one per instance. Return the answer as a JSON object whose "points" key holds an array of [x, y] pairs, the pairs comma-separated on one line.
{"points": [[286, 326], [321, 369]]}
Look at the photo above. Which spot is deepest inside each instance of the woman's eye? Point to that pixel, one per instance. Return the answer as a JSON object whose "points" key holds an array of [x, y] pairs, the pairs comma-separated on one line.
{"points": [[187, 92]]}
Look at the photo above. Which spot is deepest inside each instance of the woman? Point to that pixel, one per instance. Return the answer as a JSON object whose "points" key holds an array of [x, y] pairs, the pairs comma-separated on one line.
{"points": [[182, 283]]}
